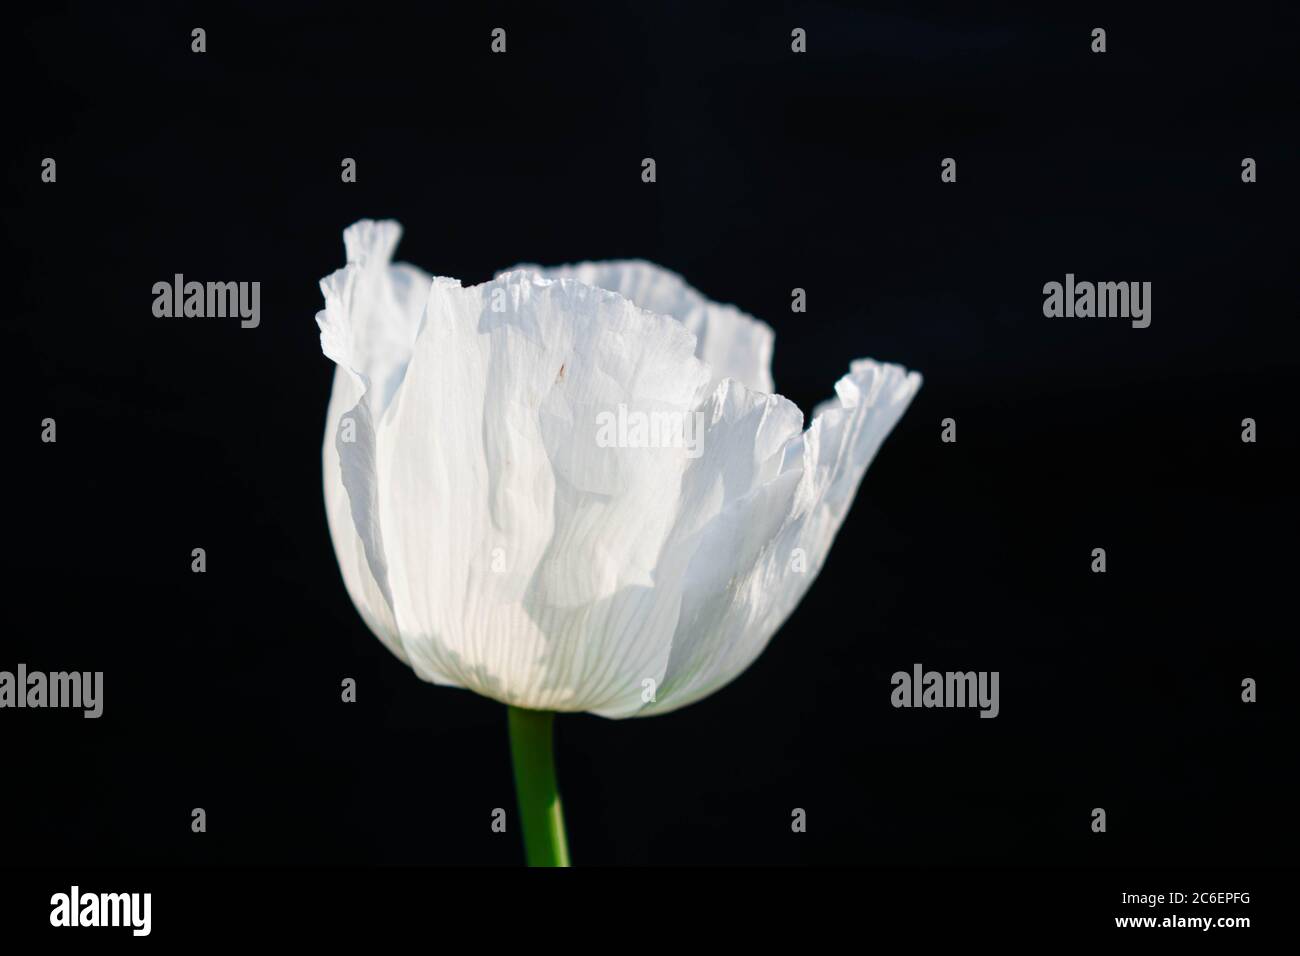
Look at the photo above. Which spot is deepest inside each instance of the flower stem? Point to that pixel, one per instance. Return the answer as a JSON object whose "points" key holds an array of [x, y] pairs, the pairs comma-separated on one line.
{"points": [[539, 797]]}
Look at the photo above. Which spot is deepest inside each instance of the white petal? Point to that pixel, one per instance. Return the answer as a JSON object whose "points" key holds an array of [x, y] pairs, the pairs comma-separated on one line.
{"points": [[368, 588], [368, 327], [726, 622], [522, 553], [735, 484], [733, 343], [372, 310]]}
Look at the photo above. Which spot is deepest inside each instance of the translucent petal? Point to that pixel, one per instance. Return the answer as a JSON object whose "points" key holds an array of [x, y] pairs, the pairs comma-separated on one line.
{"points": [[733, 343]]}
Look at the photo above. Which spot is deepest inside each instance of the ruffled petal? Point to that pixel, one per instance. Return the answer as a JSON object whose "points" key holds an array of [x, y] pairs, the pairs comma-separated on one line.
{"points": [[733, 343], [757, 558], [368, 326], [522, 549]]}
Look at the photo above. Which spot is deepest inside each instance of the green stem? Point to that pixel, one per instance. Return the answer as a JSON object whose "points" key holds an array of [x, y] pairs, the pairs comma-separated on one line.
{"points": [[539, 797]]}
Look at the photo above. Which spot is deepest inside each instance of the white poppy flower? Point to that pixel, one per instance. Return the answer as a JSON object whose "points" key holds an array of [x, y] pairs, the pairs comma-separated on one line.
{"points": [[573, 489]]}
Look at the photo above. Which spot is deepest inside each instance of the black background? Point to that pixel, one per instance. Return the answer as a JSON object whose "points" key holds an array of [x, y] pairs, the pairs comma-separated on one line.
{"points": [[775, 170]]}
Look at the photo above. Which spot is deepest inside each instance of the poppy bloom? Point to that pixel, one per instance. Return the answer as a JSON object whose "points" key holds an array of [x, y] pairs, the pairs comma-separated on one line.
{"points": [[574, 489]]}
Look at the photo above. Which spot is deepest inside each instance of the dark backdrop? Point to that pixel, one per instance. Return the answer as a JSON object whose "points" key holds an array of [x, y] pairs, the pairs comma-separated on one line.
{"points": [[775, 170]]}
